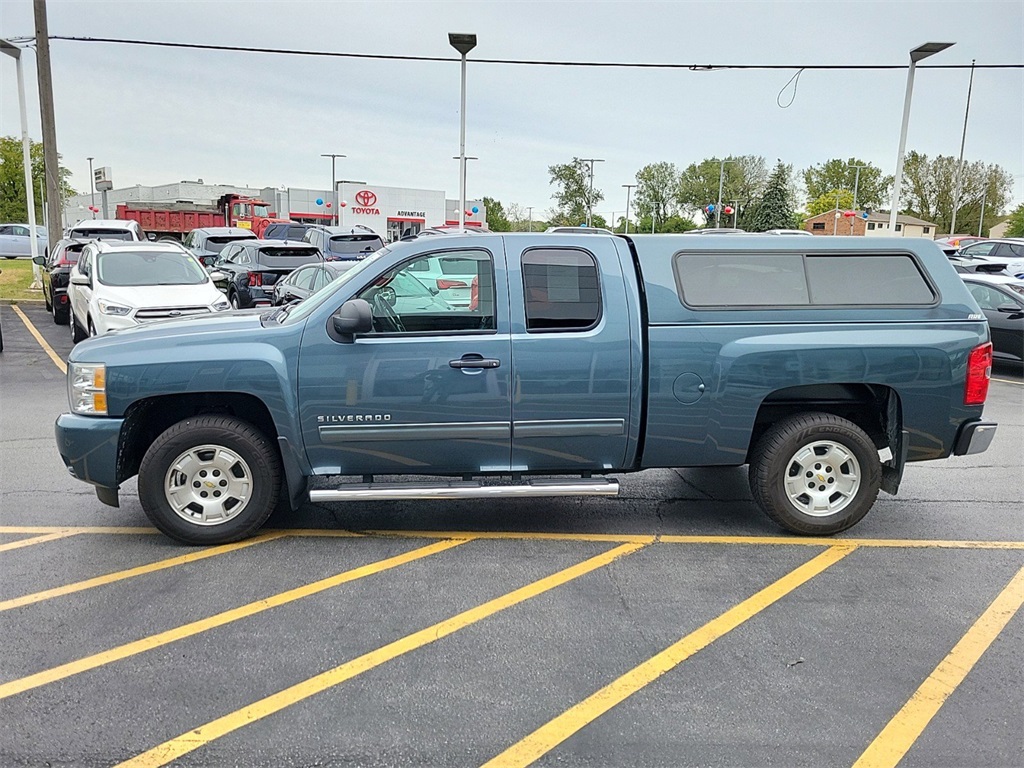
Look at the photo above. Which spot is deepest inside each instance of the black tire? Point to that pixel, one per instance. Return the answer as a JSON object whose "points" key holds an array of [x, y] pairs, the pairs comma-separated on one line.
{"points": [[61, 315], [77, 334], [244, 440], [48, 301], [233, 301], [91, 329], [773, 464]]}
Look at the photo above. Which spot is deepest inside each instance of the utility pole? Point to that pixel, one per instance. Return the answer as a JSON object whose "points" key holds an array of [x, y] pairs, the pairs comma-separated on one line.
{"points": [[718, 203], [50, 159], [629, 188], [856, 184], [334, 187], [529, 209], [590, 193]]}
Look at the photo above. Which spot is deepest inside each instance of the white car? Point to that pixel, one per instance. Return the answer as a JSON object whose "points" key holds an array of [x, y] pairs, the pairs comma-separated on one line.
{"points": [[118, 285], [449, 277], [106, 229]]}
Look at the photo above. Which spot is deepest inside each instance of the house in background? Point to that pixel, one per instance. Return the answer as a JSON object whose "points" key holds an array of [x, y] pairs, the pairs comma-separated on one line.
{"points": [[875, 225]]}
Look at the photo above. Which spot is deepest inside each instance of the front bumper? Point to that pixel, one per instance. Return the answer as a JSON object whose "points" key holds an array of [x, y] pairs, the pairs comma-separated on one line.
{"points": [[974, 437], [88, 446]]}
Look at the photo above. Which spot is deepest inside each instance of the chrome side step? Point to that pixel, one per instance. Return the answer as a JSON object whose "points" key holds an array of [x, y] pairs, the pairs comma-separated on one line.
{"points": [[461, 489]]}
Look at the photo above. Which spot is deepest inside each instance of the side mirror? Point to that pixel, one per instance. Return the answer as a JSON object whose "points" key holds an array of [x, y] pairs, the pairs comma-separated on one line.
{"points": [[1010, 309], [79, 279], [151, 236], [354, 317], [40, 260], [217, 276]]}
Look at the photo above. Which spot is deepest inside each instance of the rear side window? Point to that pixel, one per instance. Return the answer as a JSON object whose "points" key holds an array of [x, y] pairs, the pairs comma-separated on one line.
{"points": [[561, 290], [794, 280]]}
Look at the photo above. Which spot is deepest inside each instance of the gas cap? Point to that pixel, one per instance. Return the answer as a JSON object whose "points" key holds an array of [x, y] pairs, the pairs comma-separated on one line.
{"points": [[688, 388]]}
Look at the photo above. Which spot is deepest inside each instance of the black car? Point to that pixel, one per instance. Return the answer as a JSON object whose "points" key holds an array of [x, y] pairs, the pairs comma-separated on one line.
{"points": [[344, 243], [56, 272], [207, 243], [251, 267], [308, 280], [287, 230], [1001, 298]]}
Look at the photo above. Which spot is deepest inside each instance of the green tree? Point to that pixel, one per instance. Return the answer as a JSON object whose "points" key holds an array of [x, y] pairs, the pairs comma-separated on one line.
{"points": [[1016, 228], [873, 187], [573, 197], [929, 188], [12, 180], [671, 224], [497, 221], [774, 209], [743, 179], [657, 185], [827, 202]]}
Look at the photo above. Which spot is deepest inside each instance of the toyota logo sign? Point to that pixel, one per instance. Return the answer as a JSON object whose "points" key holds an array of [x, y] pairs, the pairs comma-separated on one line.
{"points": [[366, 198]]}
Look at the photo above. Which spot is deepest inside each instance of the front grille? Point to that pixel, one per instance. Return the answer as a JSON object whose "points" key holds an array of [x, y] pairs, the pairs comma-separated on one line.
{"points": [[169, 312]]}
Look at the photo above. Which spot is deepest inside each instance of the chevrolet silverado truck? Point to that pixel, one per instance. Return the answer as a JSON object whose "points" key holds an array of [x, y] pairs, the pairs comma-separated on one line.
{"points": [[825, 364]]}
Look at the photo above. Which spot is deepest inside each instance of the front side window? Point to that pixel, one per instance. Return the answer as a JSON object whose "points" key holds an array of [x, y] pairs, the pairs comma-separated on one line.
{"points": [[303, 278], [404, 303], [989, 298], [561, 290], [978, 249]]}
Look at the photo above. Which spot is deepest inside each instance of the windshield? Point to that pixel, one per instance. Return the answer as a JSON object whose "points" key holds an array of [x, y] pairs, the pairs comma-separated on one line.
{"points": [[261, 210], [303, 310], [102, 234], [216, 244], [346, 245], [133, 268]]}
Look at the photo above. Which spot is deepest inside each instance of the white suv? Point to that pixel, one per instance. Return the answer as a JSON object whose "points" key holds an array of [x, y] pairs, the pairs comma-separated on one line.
{"points": [[123, 284], [106, 229]]}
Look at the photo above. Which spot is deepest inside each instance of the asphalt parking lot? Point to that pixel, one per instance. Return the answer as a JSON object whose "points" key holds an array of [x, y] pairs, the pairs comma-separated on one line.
{"points": [[671, 626]]}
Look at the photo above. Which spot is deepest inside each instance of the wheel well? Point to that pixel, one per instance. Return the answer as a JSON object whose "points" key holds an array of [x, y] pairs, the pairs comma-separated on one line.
{"points": [[145, 420], [873, 408]]}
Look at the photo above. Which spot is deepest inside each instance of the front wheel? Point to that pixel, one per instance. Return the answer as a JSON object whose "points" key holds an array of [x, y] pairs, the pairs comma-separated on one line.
{"points": [[77, 334], [210, 480], [815, 473]]}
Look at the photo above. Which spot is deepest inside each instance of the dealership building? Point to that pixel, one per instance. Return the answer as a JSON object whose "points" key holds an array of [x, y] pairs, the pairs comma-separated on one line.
{"points": [[391, 211]]}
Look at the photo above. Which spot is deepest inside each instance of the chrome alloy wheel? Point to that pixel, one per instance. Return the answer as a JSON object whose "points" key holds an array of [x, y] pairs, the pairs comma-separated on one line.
{"points": [[208, 485], [823, 478]]}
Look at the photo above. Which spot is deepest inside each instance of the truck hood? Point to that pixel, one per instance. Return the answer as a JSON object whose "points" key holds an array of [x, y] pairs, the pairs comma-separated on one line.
{"points": [[199, 330]]}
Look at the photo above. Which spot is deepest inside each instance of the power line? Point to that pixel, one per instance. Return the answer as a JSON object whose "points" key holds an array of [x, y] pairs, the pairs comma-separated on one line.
{"points": [[521, 62]]}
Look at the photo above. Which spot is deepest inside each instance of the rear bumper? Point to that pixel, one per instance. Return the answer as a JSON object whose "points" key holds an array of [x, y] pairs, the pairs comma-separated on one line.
{"points": [[88, 446], [974, 437]]}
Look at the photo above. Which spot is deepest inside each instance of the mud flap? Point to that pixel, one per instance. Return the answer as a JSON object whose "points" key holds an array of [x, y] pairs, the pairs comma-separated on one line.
{"points": [[892, 470]]}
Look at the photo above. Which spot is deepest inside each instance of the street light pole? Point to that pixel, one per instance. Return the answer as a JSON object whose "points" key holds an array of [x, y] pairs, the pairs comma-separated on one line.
{"points": [[856, 184], [958, 187], [590, 193], [629, 188], [529, 209], [463, 43], [916, 55], [718, 204], [92, 186], [26, 158], [334, 186]]}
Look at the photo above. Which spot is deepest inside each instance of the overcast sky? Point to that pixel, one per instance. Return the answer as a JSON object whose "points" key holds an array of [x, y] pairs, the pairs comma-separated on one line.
{"points": [[159, 115]]}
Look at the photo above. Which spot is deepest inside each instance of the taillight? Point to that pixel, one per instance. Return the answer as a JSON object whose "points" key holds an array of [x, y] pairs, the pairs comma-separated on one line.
{"points": [[256, 278], [979, 371], [443, 285]]}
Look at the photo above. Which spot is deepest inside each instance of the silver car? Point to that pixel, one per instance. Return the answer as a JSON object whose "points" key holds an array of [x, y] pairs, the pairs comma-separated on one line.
{"points": [[15, 240]]}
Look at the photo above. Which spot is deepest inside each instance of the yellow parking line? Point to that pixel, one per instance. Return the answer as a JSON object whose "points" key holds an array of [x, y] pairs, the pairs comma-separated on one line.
{"points": [[181, 745], [218, 620], [555, 731], [132, 530], [1009, 381], [110, 578], [36, 540], [39, 337], [903, 730]]}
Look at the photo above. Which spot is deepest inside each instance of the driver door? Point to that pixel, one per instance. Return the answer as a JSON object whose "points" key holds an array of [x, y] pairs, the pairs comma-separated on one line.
{"points": [[425, 392]]}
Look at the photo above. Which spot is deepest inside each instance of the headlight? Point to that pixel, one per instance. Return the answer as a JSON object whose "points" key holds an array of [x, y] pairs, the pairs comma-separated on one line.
{"points": [[87, 388], [220, 306], [113, 309]]}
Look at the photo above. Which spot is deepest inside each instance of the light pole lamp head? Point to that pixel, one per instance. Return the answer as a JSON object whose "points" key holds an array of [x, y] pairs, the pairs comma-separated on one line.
{"points": [[462, 42], [10, 49], [928, 49]]}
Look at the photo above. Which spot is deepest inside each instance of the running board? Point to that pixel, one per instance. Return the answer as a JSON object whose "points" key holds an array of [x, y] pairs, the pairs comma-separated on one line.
{"points": [[460, 489]]}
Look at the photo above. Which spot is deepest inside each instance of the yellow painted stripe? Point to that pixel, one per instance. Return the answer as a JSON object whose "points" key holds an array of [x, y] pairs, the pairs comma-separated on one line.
{"points": [[36, 540], [175, 748], [555, 731], [131, 530], [903, 730], [39, 338], [110, 578], [609, 538], [226, 617], [1008, 381]]}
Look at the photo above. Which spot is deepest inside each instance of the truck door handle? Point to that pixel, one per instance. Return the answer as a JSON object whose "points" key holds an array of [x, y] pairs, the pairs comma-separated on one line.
{"points": [[474, 361]]}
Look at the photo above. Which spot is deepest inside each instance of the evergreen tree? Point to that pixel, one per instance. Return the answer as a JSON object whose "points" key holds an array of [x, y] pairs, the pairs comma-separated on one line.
{"points": [[774, 209]]}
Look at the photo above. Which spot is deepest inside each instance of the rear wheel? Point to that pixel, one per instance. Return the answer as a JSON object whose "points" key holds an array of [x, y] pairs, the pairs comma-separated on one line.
{"points": [[233, 299], [48, 300], [92, 328], [60, 314], [815, 474], [210, 480]]}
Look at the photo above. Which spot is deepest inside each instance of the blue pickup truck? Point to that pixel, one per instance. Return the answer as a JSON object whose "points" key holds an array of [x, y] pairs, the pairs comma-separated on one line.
{"points": [[825, 364]]}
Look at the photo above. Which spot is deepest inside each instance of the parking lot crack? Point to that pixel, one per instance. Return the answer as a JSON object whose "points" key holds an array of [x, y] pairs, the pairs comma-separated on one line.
{"points": [[688, 484]]}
